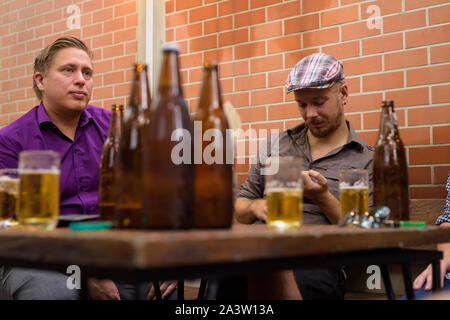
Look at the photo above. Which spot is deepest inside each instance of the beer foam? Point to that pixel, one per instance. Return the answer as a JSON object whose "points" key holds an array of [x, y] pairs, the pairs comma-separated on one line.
{"points": [[346, 186], [281, 189], [39, 171]]}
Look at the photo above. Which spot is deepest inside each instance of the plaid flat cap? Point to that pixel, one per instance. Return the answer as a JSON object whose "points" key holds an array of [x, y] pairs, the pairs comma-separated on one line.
{"points": [[318, 71]]}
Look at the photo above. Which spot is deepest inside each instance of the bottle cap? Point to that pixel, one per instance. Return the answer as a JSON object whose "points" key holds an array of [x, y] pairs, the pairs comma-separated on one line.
{"points": [[171, 46]]}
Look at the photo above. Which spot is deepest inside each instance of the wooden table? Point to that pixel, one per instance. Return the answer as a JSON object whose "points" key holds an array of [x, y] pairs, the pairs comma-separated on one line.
{"points": [[135, 255]]}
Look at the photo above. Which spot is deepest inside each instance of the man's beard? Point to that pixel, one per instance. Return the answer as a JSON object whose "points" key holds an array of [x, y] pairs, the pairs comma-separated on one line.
{"points": [[327, 130]]}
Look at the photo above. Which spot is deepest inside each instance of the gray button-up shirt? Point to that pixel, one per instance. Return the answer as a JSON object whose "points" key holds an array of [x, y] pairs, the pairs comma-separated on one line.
{"points": [[355, 154]]}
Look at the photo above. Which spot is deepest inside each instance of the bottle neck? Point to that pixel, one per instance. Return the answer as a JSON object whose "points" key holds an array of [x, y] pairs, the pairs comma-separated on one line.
{"points": [[170, 82], [388, 122], [210, 97], [114, 125]]}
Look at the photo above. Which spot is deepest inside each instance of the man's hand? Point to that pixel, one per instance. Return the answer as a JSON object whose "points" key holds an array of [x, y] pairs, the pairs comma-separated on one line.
{"points": [[259, 208], [315, 185], [427, 277], [247, 210], [102, 289], [166, 287]]}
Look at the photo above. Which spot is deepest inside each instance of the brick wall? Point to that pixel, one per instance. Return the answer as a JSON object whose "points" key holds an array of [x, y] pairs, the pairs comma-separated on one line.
{"points": [[108, 27], [258, 42]]}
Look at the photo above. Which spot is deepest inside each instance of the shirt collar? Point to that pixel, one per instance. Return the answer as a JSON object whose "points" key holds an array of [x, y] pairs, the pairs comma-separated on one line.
{"points": [[298, 133], [43, 117]]}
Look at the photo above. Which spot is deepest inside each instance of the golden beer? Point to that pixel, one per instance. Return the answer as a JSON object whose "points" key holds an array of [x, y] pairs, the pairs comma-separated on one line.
{"points": [[354, 198], [39, 198], [9, 198], [284, 208]]}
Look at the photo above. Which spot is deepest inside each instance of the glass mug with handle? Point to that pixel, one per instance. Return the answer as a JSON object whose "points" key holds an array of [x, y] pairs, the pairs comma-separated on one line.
{"points": [[39, 189], [284, 192], [354, 191], [9, 196]]}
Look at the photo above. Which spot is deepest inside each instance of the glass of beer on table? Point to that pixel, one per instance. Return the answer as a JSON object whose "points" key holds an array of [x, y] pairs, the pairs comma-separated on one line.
{"points": [[354, 191], [284, 192], [39, 189], [9, 196]]}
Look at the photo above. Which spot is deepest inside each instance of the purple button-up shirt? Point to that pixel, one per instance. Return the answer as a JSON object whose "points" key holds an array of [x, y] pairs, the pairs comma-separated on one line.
{"points": [[80, 158]]}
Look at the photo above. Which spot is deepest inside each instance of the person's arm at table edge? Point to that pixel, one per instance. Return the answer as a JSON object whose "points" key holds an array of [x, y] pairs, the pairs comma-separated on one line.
{"points": [[247, 211]]}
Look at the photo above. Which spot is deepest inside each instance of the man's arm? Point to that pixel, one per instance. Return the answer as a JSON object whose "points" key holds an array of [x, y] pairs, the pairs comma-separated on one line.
{"points": [[249, 210], [315, 187]]}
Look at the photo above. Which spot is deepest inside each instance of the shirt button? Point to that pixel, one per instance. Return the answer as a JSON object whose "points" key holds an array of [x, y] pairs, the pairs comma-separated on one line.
{"points": [[80, 180], [75, 151], [82, 188]]}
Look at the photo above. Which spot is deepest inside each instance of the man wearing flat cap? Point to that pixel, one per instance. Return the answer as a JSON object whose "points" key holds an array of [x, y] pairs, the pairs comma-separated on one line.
{"points": [[327, 143]]}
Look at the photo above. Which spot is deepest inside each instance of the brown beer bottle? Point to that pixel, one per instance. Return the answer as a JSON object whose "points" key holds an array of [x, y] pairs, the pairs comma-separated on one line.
{"points": [[390, 166], [129, 168], [213, 183], [108, 163], [168, 167]]}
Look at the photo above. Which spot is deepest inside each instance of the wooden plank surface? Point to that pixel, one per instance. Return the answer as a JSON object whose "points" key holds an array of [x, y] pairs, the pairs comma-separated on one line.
{"points": [[129, 249]]}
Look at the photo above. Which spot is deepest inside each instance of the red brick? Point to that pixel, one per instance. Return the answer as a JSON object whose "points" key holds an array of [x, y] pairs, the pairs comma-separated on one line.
{"points": [[320, 37], [277, 78], [217, 25], [113, 51], [440, 54], [125, 9], [362, 65], [437, 74], [303, 23], [232, 6], [414, 4], [353, 84], [283, 44], [358, 30], [191, 60], [113, 25], [284, 111], [429, 155], [317, 5], [252, 114], [340, 16], [249, 50], [355, 120], [93, 30], [125, 35], [268, 127], [343, 50], [382, 44], [429, 192], [441, 135], [177, 19], [103, 92], [372, 119], [262, 3], [170, 6], [131, 47], [188, 31], [408, 97], [439, 14], [103, 66], [386, 7], [419, 175], [283, 10], [170, 34], [103, 15], [440, 94], [404, 21], [256, 81], [415, 136], [384, 81], [267, 30], [427, 36], [131, 20], [92, 6], [364, 102], [103, 40], [428, 115], [291, 58], [124, 62], [220, 55], [203, 43], [240, 99], [249, 18], [233, 37], [405, 59], [35, 21], [441, 174], [186, 4], [26, 35], [272, 95], [266, 63], [202, 13], [233, 69]]}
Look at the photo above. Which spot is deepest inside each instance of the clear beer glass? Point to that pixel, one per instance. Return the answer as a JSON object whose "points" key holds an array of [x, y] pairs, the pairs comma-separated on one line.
{"points": [[284, 192], [9, 196], [354, 191], [39, 189]]}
